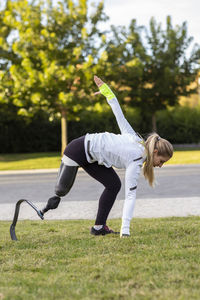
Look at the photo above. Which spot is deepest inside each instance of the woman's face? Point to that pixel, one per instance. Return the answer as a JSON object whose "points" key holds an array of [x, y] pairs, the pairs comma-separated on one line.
{"points": [[159, 160]]}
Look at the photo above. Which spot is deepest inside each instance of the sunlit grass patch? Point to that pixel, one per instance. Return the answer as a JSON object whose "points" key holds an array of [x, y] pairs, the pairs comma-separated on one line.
{"points": [[185, 157], [30, 161]]}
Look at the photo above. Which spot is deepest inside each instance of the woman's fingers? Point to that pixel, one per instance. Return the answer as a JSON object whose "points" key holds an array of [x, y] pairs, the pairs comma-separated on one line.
{"points": [[98, 81], [97, 93]]}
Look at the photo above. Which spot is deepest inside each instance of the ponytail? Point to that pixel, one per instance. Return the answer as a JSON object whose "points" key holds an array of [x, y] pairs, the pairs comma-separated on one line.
{"points": [[154, 141]]}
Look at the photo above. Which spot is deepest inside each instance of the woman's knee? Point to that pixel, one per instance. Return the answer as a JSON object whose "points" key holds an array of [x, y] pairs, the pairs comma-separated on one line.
{"points": [[118, 185], [115, 185]]}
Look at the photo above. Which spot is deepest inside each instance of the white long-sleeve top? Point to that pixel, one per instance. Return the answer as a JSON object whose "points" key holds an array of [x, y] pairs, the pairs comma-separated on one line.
{"points": [[123, 151]]}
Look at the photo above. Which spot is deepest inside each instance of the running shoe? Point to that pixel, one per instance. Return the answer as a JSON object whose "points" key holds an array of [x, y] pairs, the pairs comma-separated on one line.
{"points": [[124, 235], [103, 231]]}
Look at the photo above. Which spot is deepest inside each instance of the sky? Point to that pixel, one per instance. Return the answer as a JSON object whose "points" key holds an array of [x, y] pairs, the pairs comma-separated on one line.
{"points": [[121, 12]]}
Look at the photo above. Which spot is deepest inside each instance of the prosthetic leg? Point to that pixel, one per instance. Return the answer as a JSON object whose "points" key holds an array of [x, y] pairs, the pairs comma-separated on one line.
{"points": [[17, 207], [66, 177]]}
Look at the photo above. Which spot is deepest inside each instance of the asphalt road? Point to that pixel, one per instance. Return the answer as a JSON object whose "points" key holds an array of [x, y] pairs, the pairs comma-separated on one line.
{"points": [[172, 182]]}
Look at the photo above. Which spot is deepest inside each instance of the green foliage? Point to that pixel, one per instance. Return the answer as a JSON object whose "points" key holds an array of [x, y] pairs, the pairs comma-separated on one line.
{"points": [[92, 121], [169, 70], [152, 72], [50, 50], [21, 135], [55, 48], [181, 125]]}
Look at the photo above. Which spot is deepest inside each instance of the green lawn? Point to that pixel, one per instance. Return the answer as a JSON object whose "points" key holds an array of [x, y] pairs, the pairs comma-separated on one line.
{"points": [[185, 157], [28, 161], [61, 260], [52, 160]]}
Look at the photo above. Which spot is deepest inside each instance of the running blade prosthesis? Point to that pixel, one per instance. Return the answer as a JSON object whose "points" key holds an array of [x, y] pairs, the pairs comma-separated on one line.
{"points": [[17, 207], [52, 203]]}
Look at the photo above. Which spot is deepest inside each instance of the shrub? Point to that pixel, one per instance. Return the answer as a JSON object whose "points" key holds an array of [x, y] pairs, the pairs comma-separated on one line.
{"points": [[19, 135], [180, 125]]}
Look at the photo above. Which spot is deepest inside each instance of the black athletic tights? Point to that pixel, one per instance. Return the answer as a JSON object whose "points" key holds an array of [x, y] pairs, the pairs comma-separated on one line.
{"points": [[107, 176]]}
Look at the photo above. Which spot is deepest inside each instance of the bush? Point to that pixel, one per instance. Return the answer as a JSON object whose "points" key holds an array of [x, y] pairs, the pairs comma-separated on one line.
{"points": [[92, 122], [181, 125], [17, 135]]}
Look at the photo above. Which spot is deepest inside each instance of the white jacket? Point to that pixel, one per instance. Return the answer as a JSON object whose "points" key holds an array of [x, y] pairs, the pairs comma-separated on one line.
{"points": [[123, 151]]}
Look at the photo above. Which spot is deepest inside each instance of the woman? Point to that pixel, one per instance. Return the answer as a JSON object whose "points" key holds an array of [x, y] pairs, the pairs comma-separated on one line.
{"points": [[97, 153]]}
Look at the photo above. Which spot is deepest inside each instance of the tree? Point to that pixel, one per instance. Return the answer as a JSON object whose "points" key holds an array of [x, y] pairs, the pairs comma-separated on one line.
{"points": [[152, 72], [56, 45], [169, 68], [7, 57]]}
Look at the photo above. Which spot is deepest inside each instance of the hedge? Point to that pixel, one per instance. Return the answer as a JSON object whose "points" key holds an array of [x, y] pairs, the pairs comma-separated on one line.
{"points": [[22, 136], [179, 125]]}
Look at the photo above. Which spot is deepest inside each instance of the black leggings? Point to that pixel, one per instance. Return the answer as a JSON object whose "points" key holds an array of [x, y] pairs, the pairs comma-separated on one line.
{"points": [[107, 176]]}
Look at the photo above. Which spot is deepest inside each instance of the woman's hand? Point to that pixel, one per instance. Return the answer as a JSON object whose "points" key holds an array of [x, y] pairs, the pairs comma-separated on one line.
{"points": [[98, 82], [104, 89]]}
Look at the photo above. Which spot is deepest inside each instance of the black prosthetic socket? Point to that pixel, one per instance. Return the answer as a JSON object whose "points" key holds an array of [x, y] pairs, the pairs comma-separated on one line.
{"points": [[52, 203], [66, 177], [65, 181]]}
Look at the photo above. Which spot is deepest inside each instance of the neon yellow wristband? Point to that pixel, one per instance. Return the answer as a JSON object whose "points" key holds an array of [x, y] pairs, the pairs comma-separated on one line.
{"points": [[106, 91]]}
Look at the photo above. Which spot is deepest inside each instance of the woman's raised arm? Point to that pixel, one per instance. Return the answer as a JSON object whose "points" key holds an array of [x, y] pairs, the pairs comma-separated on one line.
{"points": [[104, 89]]}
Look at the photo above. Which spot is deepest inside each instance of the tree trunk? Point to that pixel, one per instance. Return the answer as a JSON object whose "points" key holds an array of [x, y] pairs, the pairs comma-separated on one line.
{"points": [[63, 130], [154, 127]]}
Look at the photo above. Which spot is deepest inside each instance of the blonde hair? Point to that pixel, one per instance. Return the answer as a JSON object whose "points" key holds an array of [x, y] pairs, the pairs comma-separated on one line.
{"points": [[165, 148]]}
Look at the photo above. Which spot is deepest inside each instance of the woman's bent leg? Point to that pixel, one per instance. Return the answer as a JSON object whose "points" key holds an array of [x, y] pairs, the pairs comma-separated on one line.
{"points": [[111, 181], [67, 173]]}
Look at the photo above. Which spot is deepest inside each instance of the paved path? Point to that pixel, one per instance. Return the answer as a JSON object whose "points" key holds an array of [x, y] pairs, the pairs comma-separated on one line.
{"points": [[177, 193]]}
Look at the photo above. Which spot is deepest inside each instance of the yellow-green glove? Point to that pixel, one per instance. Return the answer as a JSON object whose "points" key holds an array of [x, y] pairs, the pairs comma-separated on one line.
{"points": [[106, 91]]}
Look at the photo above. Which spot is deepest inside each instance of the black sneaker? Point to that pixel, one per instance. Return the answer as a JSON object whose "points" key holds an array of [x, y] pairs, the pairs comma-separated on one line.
{"points": [[103, 231], [124, 235]]}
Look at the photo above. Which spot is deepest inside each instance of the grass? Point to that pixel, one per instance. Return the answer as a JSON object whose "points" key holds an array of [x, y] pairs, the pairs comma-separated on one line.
{"points": [[29, 161], [185, 157], [61, 260]]}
